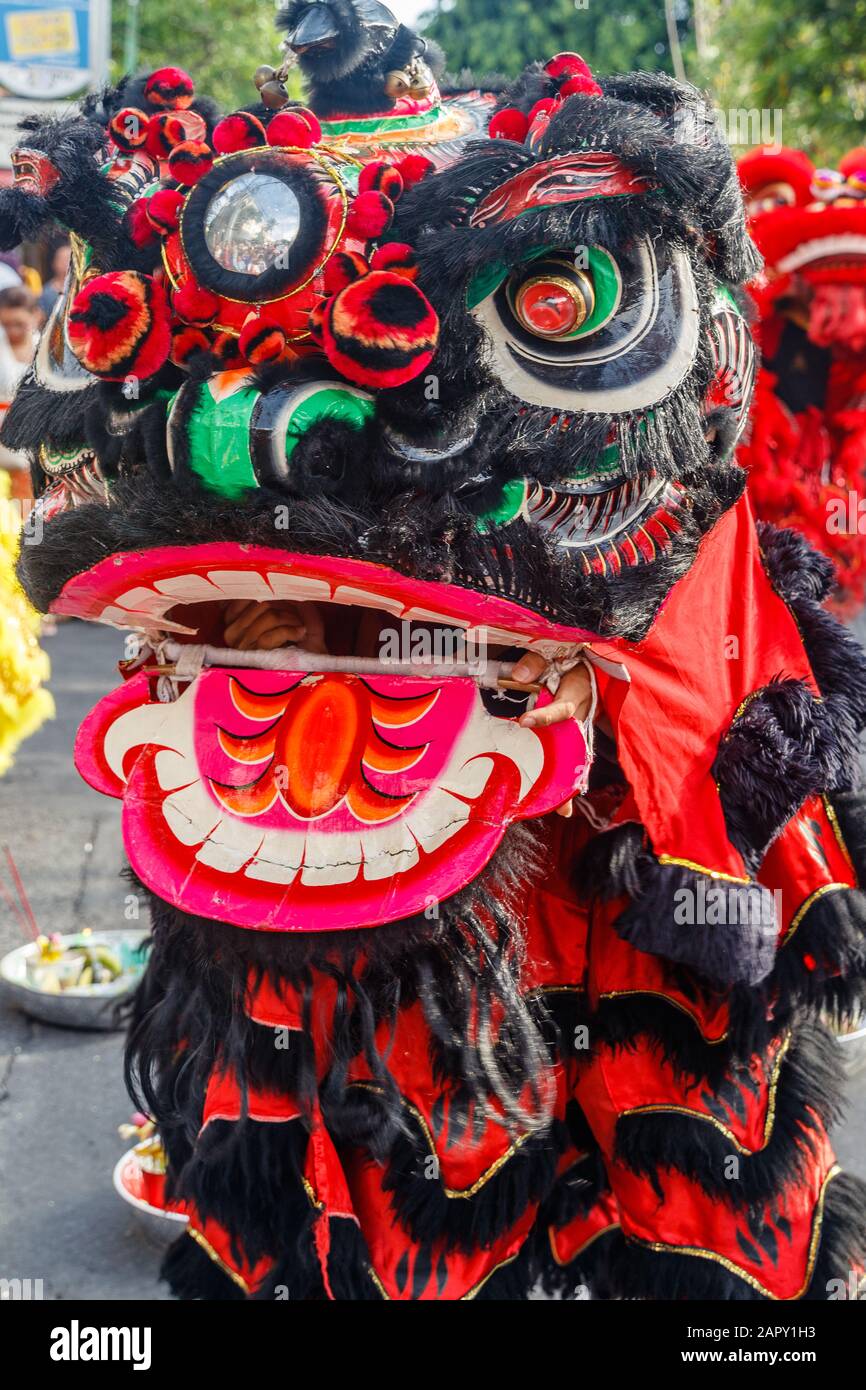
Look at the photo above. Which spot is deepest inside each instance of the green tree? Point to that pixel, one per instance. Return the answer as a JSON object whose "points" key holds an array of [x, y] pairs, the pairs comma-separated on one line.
{"points": [[806, 61], [503, 35], [220, 42]]}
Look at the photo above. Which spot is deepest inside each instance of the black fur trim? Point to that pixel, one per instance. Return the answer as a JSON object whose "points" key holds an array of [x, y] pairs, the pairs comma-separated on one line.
{"points": [[781, 748], [843, 1239], [808, 1091], [741, 950], [422, 1204], [191, 1274]]}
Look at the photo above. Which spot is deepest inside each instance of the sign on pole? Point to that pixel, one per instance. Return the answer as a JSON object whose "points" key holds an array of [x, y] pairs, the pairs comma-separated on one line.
{"points": [[51, 49]]}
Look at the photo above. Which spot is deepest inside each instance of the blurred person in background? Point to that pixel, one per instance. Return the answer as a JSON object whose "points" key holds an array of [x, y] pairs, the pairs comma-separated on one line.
{"points": [[18, 339], [57, 267]]}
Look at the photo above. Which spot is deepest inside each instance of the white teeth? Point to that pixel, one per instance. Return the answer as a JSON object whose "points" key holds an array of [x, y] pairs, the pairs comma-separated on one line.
{"points": [[436, 818], [138, 726], [277, 859], [426, 615], [495, 636], [186, 588], [228, 859], [173, 770], [294, 586], [191, 814], [241, 584], [331, 859], [471, 779], [360, 598], [521, 746], [142, 601], [389, 851]]}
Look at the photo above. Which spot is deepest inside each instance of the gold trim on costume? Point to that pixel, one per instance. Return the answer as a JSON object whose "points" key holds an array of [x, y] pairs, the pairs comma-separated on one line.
{"points": [[701, 869], [804, 908], [769, 1118], [470, 1294], [837, 829], [729, 1265], [208, 1249], [563, 1264], [657, 994], [431, 1143]]}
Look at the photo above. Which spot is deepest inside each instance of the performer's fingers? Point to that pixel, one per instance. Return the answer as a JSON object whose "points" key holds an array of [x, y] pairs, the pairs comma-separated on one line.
{"points": [[530, 666], [576, 686], [257, 617], [276, 637], [566, 810], [555, 713], [269, 620]]}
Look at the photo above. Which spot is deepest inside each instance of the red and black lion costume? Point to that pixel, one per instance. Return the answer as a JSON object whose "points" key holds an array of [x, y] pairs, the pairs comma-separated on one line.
{"points": [[399, 1045]]}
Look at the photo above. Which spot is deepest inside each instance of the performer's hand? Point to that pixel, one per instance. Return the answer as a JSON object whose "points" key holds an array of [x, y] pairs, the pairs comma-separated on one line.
{"points": [[573, 700], [252, 626]]}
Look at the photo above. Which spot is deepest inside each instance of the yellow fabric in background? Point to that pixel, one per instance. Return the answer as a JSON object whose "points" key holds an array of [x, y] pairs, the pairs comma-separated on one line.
{"points": [[24, 704]]}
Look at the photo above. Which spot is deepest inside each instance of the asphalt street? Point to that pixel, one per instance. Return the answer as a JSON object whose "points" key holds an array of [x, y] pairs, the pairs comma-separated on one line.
{"points": [[61, 1092]]}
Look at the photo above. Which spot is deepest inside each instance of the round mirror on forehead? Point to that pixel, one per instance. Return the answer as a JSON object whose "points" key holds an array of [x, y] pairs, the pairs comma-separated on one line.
{"points": [[251, 222]]}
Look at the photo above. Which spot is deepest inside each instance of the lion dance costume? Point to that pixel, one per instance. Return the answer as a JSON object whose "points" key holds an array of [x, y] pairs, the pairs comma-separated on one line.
{"points": [[469, 364], [806, 454]]}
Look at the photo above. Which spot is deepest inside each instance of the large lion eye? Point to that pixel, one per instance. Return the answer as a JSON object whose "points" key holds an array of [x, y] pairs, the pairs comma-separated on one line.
{"points": [[584, 330], [261, 223], [554, 301], [250, 222]]}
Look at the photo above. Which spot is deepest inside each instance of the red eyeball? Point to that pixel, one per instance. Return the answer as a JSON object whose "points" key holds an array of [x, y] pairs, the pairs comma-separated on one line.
{"points": [[553, 308]]}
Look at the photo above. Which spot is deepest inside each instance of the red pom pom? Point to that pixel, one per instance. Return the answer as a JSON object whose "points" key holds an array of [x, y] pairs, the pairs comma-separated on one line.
{"points": [[240, 131], [414, 168], [119, 325], [545, 106], [567, 65], [380, 330], [580, 85], [382, 177], [509, 124], [169, 87], [297, 128], [170, 129], [139, 226], [397, 257], [262, 341], [342, 269], [225, 349], [190, 161], [185, 342], [128, 128], [371, 214], [195, 305], [163, 210]]}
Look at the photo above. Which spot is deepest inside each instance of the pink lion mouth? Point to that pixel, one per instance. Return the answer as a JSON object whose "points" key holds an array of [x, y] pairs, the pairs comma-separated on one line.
{"points": [[296, 801]]}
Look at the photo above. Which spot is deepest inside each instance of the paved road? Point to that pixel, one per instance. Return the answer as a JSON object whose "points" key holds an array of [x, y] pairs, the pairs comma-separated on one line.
{"points": [[61, 1093]]}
